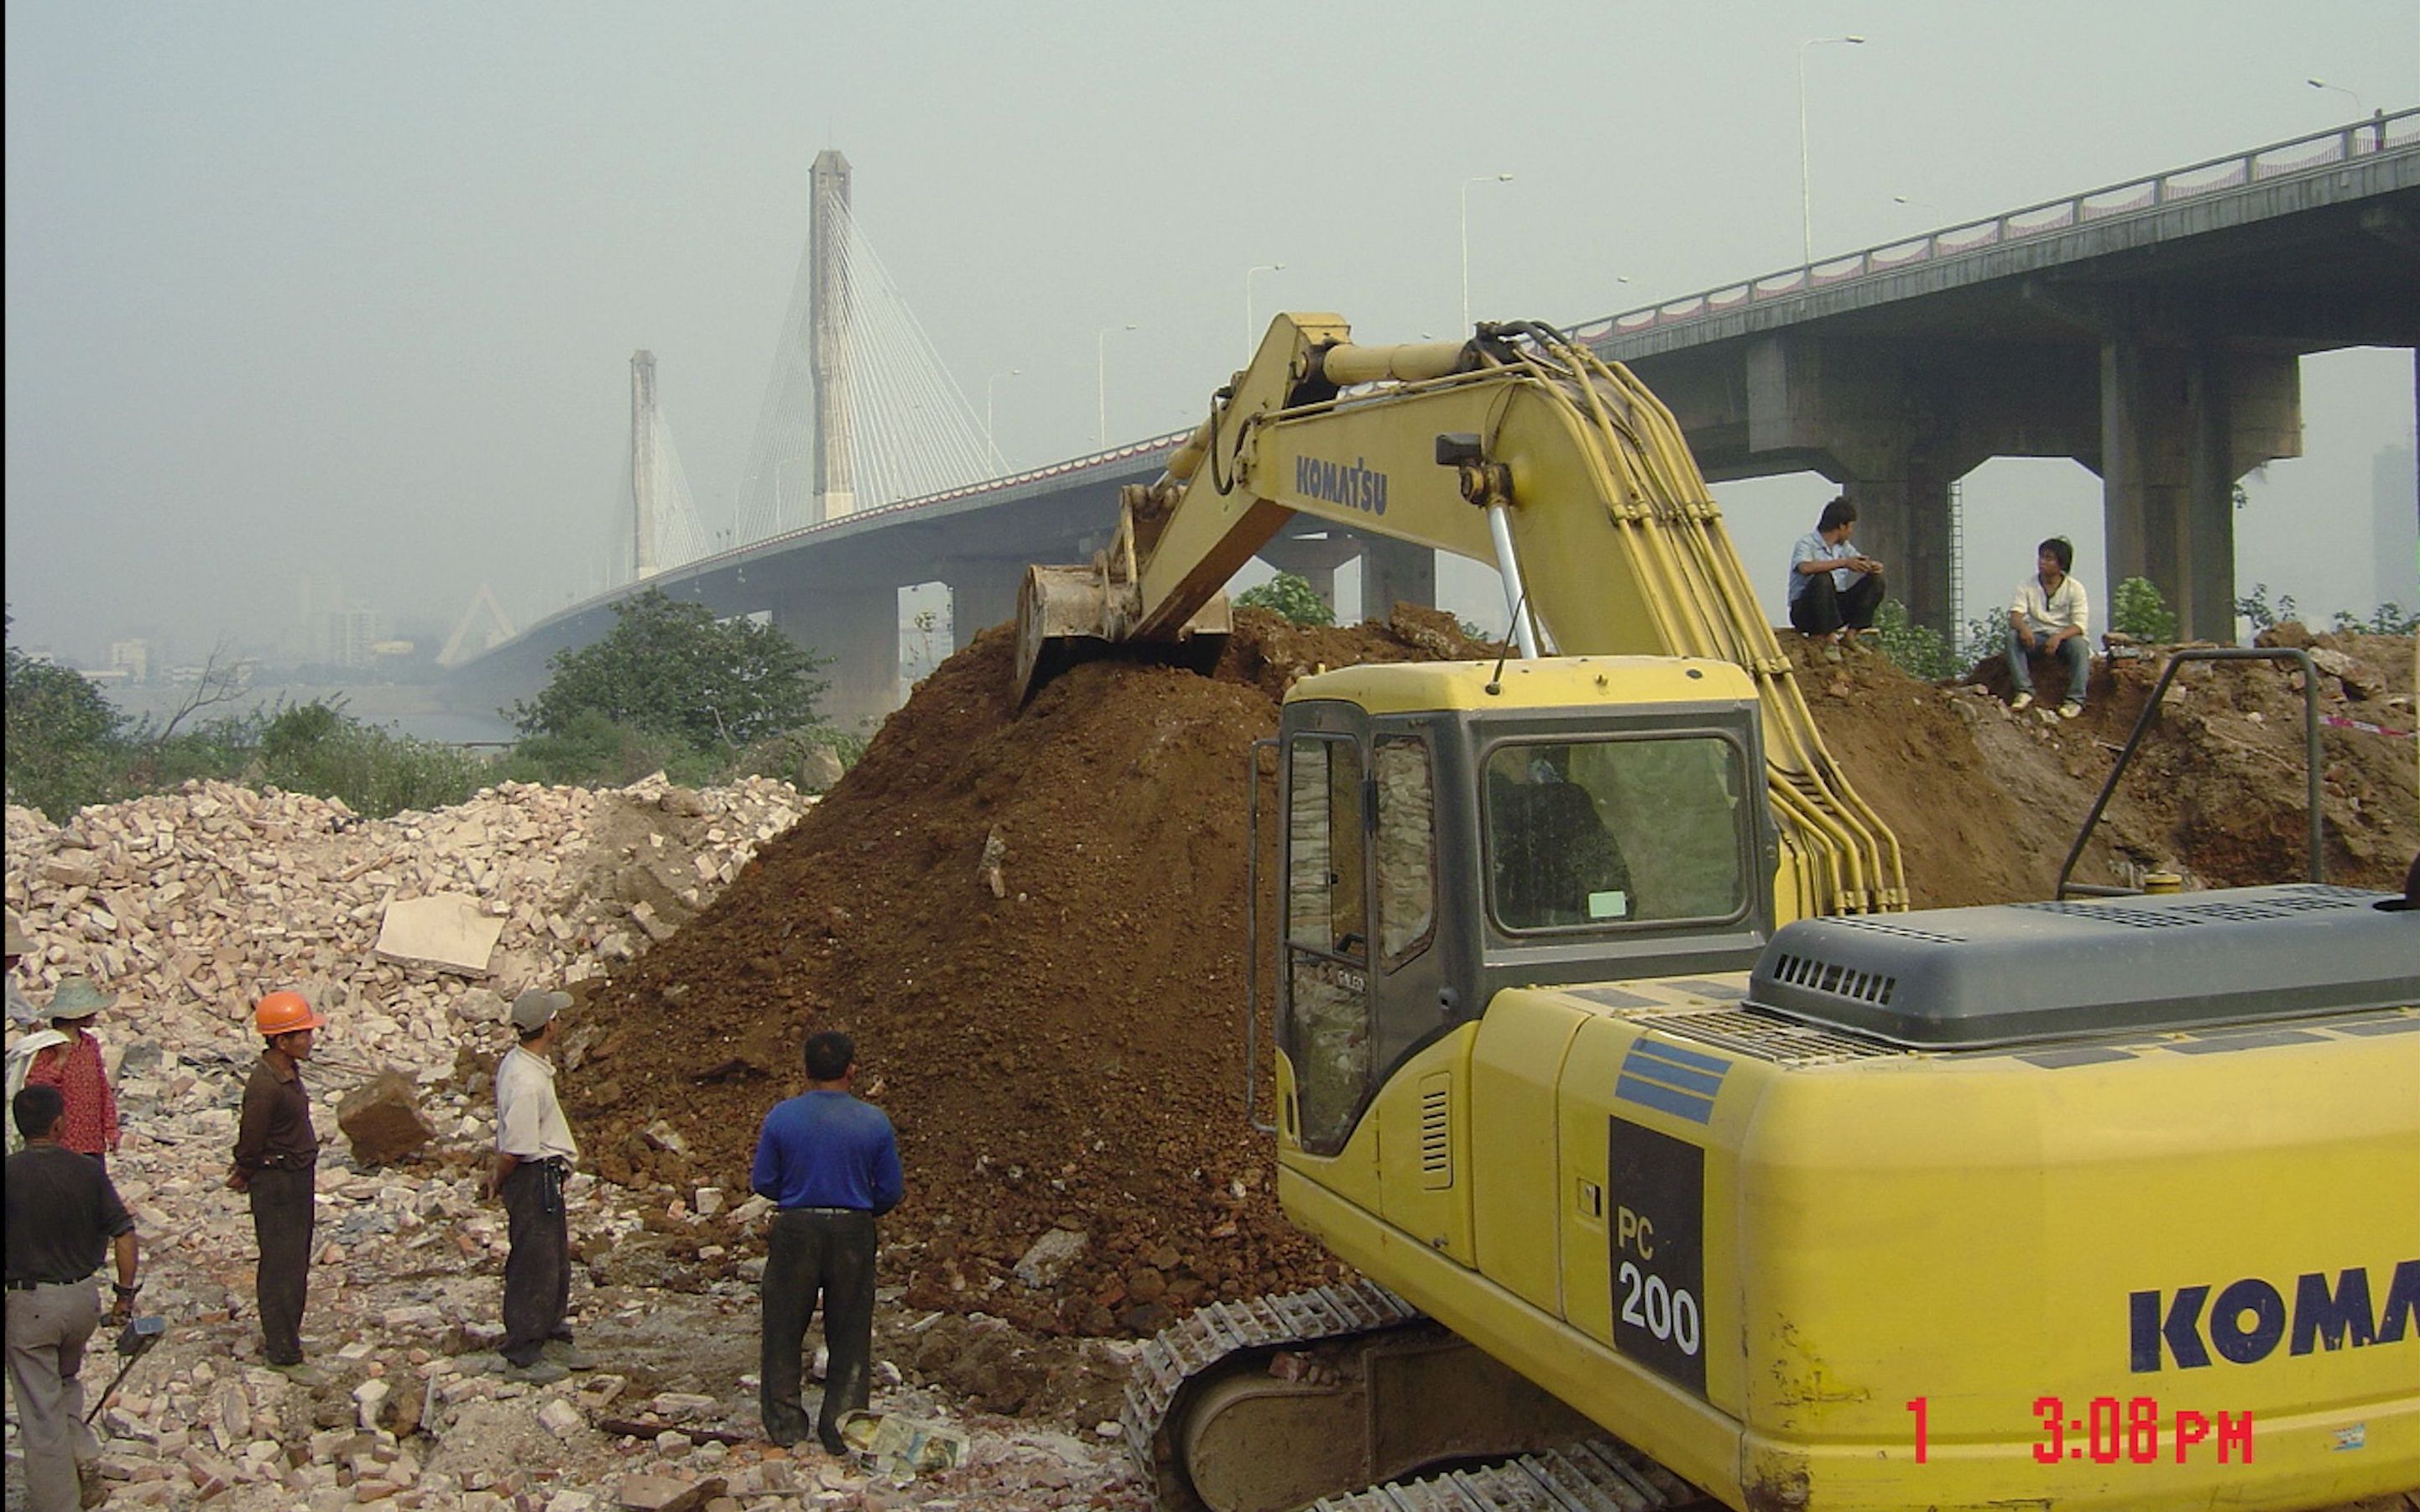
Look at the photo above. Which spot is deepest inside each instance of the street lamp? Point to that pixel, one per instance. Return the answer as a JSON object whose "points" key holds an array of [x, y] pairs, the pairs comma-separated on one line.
{"points": [[1463, 196], [1251, 331], [996, 460], [2358, 108], [1806, 196], [1101, 367]]}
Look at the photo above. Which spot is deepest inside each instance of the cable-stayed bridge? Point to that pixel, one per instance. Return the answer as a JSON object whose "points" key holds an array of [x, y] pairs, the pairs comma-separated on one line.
{"points": [[2150, 330]]}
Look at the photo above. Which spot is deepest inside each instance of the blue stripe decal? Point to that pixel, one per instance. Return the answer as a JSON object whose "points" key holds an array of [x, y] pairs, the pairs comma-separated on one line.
{"points": [[1671, 1075], [1696, 1109], [1687, 1057]]}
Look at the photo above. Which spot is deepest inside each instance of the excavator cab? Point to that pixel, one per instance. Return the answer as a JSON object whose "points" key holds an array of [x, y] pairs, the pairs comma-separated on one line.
{"points": [[1592, 817]]}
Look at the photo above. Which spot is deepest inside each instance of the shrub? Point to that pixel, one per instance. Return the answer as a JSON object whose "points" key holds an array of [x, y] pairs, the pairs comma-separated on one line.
{"points": [[2136, 609], [2387, 619], [1290, 595], [1914, 649]]}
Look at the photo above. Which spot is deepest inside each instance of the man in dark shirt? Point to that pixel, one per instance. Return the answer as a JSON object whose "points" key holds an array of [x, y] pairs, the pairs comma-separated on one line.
{"points": [[831, 1166], [277, 1161], [63, 1216]]}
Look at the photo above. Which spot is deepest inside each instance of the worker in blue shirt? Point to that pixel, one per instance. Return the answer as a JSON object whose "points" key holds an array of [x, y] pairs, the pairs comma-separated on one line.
{"points": [[830, 1163]]}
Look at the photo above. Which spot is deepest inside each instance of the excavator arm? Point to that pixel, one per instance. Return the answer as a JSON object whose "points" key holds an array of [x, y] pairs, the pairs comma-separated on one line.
{"points": [[1519, 448]]}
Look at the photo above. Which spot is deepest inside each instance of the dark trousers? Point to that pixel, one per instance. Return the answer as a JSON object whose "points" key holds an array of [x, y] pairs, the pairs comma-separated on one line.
{"points": [[1822, 609], [808, 1254], [537, 1268], [281, 1222]]}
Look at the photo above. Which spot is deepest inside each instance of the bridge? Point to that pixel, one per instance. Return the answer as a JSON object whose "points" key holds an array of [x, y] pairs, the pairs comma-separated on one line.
{"points": [[2150, 330]]}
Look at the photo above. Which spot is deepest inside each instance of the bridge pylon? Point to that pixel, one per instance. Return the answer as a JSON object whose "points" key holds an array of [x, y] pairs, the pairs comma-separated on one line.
{"points": [[829, 341]]}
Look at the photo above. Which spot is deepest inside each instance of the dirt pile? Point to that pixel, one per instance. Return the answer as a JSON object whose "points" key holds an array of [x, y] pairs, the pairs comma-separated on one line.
{"points": [[1033, 925], [1986, 801]]}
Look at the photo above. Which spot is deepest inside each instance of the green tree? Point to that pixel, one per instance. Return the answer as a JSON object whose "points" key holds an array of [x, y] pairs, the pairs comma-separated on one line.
{"points": [[1292, 595], [64, 739], [669, 668], [2136, 609]]}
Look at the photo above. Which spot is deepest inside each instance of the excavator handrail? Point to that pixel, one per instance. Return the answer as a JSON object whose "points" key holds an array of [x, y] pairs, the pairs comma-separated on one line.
{"points": [[2151, 715]]}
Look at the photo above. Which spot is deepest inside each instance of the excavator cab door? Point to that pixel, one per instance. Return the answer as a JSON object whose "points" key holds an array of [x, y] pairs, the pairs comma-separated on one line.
{"points": [[1326, 1026], [1361, 973]]}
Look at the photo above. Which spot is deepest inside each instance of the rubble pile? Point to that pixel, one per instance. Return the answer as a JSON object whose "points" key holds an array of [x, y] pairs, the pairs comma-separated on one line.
{"points": [[187, 905], [192, 903]]}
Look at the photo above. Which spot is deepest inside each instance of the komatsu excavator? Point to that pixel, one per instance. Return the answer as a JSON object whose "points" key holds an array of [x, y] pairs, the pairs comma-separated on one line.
{"points": [[1681, 1161]]}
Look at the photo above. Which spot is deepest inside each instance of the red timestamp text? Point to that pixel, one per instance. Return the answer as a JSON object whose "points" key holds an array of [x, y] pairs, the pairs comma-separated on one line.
{"points": [[2110, 1430]]}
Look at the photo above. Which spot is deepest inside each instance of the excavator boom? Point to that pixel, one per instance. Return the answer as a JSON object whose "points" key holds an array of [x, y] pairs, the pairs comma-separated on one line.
{"points": [[1519, 448]]}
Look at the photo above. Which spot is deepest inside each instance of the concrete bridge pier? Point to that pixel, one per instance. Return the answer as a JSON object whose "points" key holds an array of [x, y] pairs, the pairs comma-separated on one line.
{"points": [[1901, 492], [982, 593], [856, 630], [2180, 424], [1395, 572], [1313, 559]]}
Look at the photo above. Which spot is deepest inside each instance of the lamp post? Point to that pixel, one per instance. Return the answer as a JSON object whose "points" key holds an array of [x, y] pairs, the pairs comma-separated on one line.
{"points": [[996, 460], [1805, 194], [1251, 333], [1463, 196], [2358, 109], [1101, 367]]}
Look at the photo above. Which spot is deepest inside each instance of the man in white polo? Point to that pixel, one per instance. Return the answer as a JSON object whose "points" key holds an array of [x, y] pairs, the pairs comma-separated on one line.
{"points": [[533, 1154]]}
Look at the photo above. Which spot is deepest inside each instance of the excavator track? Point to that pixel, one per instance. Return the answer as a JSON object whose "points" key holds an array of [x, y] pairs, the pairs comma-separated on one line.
{"points": [[1288, 1378], [1185, 1351], [1595, 1475]]}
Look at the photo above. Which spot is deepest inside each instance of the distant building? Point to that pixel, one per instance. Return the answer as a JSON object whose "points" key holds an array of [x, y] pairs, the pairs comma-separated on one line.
{"points": [[2395, 513], [347, 637], [132, 659]]}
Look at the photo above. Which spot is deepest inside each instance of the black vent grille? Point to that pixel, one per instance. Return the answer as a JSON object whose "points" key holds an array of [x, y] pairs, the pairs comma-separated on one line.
{"points": [[1777, 1041], [1834, 979]]}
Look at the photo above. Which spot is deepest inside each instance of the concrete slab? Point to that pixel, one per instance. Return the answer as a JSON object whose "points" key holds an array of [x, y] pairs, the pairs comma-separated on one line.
{"points": [[445, 932]]}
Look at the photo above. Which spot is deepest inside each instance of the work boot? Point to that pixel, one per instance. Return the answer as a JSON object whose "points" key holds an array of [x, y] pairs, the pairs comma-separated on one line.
{"points": [[301, 1372], [2069, 709], [91, 1489], [2021, 702], [568, 1355], [539, 1372]]}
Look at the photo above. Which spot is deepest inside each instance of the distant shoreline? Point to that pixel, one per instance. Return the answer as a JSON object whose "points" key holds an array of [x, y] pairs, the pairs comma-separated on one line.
{"points": [[414, 709]]}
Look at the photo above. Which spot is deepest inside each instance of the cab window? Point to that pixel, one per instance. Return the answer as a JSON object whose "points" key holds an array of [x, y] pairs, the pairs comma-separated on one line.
{"points": [[1603, 834]]}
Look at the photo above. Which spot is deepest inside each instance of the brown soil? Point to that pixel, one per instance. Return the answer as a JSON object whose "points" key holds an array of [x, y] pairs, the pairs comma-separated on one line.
{"points": [[1070, 1053]]}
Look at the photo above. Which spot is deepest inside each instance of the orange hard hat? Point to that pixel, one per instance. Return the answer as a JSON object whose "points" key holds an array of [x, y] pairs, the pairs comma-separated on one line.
{"points": [[284, 1012]]}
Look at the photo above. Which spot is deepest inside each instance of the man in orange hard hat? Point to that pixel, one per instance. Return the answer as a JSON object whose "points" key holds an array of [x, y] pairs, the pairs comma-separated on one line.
{"points": [[277, 1161]]}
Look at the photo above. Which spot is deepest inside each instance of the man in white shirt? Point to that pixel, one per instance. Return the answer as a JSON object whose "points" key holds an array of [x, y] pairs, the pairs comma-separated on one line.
{"points": [[2050, 617], [533, 1154]]}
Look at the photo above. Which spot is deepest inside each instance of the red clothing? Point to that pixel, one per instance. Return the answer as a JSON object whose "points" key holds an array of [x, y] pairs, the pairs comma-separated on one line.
{"points": [[74, 1068]]}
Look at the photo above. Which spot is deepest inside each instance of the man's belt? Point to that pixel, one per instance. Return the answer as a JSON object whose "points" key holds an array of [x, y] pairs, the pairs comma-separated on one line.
{"points": [[832, 1212], [15, 1284]]}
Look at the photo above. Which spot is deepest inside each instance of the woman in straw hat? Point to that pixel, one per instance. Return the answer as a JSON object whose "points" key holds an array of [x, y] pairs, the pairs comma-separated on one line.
{"points": [[90, 1126]]}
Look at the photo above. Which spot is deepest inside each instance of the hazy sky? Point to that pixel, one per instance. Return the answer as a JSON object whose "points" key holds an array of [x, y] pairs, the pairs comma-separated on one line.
{"points": [[303, 297]]}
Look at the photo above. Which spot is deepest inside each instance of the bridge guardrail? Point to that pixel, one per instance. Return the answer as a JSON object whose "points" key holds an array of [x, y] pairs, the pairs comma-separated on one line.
{"points": [[2296, 155]]}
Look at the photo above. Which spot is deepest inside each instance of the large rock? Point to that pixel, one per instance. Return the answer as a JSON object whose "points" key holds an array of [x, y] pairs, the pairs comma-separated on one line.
{"points": [[382, 1120]]}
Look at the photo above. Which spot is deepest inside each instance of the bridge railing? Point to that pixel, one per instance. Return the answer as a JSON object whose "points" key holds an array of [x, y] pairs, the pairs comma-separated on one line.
{"points": [[2298, 155]]}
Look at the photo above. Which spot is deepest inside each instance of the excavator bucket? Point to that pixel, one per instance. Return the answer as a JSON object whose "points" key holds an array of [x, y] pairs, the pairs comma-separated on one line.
{"points": [[1066, 615]]}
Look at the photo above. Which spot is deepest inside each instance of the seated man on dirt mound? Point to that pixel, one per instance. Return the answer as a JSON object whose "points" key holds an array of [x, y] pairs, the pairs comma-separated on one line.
{"points": [[1835, 589], [2051, 618]]}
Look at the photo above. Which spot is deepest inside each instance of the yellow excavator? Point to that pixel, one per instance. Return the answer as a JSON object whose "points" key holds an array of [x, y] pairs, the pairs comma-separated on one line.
{"points": [[1685, 1166]]}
